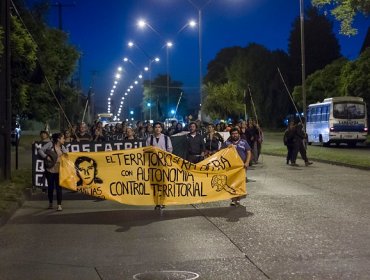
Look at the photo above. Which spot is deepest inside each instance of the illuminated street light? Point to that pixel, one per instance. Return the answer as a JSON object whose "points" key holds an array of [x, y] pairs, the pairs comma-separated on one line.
{"points": [[199, 8], [169, 45]]}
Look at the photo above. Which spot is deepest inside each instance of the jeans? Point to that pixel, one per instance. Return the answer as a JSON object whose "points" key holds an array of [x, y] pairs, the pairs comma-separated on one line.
{"points": [[53, 182]]}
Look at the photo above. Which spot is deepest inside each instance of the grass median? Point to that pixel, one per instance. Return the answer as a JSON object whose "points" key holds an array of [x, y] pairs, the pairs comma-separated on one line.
{"points": [[356, 157]]}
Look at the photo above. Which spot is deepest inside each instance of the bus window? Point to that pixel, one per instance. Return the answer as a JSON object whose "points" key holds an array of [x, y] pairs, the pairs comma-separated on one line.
{"points": [[349, 110], [319, 118]]}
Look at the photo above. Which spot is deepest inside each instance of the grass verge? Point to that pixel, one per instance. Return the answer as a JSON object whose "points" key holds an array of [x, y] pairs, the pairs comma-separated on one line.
{"points": [[358, 157]]}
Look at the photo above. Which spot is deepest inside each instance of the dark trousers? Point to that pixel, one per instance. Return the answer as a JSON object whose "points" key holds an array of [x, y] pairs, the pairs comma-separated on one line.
{"points": [[53, 182], [290, 153], [294, 152], [302, 151]]}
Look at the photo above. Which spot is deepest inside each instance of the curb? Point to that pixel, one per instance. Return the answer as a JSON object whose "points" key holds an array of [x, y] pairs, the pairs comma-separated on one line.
{"points": [[13, 206]]}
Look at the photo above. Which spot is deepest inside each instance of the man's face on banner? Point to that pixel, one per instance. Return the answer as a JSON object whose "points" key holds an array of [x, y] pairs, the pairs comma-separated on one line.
{"points": [[86, 171]]}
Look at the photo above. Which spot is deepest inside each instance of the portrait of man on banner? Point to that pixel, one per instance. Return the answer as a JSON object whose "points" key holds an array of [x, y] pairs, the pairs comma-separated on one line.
{"points": [[87, 171]]}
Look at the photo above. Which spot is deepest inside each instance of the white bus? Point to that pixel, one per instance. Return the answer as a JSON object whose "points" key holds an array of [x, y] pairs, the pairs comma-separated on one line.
{"points": [[337, 120], [105, 118]]}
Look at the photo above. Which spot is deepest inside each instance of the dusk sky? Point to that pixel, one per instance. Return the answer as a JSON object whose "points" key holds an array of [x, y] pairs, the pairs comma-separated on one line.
{"points": [[102, 29]]}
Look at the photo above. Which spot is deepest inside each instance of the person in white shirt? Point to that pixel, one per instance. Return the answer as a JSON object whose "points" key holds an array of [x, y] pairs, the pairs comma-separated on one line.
{"points": [[158, 139], [163, 142]]}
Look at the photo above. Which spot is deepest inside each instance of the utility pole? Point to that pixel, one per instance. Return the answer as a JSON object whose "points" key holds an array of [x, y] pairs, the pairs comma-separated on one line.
{"points": [[60, 6], [5, 94]]}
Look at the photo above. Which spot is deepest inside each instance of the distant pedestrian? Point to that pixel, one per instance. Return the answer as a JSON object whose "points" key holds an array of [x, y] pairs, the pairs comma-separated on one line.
{"points": [[290, 142], [301, 139], [51, 152]]}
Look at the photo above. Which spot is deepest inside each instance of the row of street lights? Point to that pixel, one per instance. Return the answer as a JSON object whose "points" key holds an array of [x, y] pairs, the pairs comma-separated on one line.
{"points": [[142, 24], [168, 45]]}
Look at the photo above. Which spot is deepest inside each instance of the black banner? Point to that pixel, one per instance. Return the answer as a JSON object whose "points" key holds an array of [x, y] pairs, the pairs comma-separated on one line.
{"points": [[38, 178]]}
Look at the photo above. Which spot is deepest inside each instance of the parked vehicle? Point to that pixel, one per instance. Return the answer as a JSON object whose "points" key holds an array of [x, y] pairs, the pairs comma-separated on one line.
{"points": [[337, 120]]}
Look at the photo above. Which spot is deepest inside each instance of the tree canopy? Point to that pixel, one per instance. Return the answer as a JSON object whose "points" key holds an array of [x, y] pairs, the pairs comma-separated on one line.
{"points": [[321, 45], [41, 66], [344, 11]]}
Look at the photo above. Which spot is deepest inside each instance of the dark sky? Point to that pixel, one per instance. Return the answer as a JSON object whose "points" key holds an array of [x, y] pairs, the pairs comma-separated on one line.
{"points": [[101, 30]]}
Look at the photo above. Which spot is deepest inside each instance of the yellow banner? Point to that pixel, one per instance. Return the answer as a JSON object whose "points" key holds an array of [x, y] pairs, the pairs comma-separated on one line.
{"points": [[150, 176]]}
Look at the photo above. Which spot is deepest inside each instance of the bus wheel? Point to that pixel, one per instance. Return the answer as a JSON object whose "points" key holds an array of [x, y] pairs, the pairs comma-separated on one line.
{"points": [[352, 144]]}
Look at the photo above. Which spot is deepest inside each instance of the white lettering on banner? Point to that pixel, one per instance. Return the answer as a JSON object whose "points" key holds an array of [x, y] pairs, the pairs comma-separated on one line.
{"points": [[85, 147], [39, 165], [37, 147]]}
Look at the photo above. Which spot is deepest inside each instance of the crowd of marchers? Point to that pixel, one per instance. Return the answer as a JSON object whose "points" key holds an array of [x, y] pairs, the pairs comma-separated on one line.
{"points": [[202, 140]]}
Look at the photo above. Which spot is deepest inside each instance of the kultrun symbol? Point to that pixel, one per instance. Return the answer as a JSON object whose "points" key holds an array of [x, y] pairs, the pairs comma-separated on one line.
{"points": [[220, 183]]}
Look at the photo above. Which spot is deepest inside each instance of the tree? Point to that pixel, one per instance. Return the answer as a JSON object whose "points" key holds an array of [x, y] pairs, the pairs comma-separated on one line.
{"points": [[223, 101], [340, 78], [23, 62], [217, 67], [322, 84], [321, 45], [156, 93], [355, 77], [345, 11], [253, 71], [40, 66]]}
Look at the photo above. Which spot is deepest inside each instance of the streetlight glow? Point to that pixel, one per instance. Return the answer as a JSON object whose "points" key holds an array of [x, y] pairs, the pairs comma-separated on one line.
{"points": [[192, 23], [141, 23]]}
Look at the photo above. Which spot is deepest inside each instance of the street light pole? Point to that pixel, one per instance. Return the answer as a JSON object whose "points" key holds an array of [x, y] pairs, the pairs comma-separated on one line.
{"points": [[200, 53], [200, 62], [303, 72], [156, 59], [168, 45]]}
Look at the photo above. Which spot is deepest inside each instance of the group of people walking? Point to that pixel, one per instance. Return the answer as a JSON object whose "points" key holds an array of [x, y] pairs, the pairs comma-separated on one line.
{"points": [[295, 141], [201, 141]]}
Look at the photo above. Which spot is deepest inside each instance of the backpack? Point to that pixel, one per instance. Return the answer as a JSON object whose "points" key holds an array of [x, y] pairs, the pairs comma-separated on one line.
{"points": [[165, 141], [54, 157]]}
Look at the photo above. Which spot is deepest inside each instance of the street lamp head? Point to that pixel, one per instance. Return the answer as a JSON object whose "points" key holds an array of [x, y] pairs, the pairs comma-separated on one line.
{"points": [[192, 23], [125, 59], [169, 44], [156, 59], [141, 23], [146, 68], [130, 44]]}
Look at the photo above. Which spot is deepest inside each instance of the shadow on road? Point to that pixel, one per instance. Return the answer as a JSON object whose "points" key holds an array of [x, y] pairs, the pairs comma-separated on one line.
{"points": [[125, 219]]}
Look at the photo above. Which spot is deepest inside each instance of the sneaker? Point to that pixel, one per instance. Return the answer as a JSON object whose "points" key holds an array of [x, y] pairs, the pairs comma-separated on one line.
{"points": [[237, 202], [307, 163], [59, 208], [159, 207], [294, 164], [50, 206], [232, 203]]}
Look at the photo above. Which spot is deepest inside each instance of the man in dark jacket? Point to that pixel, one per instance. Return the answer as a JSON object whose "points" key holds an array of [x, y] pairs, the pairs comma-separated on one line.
{"points": [[194, 144]]}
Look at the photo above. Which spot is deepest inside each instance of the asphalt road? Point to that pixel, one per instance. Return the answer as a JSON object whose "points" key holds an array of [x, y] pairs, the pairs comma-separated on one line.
{"points": [[296, 223]]}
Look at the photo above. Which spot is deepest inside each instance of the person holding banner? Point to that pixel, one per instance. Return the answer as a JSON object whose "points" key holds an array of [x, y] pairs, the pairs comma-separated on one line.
{"points": [[194, 144], [163, 142], [244, 151], [158, 139], [52, 172], [213, 140]]}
